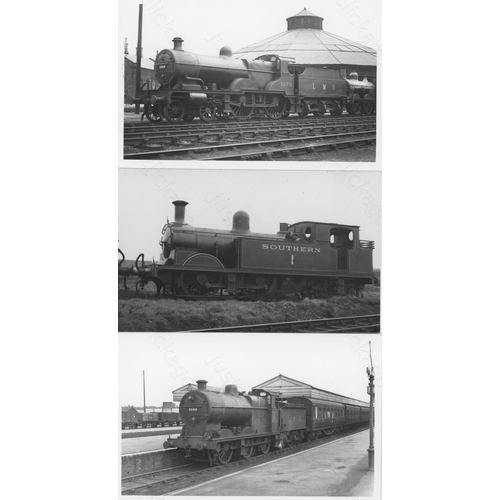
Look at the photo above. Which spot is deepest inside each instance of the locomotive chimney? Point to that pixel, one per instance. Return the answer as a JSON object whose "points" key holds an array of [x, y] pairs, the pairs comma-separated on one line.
{"points": [[177, 43], [180, 210], [202, 385], [241, 222]]}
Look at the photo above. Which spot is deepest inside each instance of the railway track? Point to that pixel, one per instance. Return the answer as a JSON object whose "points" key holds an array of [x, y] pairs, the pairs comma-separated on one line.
{"points": [[369, 323], [169, 480], [245, 140], [141, 484]]}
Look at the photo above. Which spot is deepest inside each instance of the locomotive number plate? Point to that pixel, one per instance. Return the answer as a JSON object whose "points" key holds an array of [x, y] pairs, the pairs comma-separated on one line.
{"points": [[162, 66], [192, 409]]}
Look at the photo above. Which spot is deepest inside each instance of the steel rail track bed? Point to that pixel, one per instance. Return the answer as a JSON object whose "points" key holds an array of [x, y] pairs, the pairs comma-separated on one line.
{"points": [[143, 131], [335, 140], [354, 324]]}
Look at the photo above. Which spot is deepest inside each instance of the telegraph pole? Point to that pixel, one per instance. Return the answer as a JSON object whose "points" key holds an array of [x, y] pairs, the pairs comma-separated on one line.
{"points": [[371, 392], [144, 388], [139, 57]]}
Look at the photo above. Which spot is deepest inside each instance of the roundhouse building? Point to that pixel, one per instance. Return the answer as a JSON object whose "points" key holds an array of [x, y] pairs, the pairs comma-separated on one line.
{"points": [[307, 43]]}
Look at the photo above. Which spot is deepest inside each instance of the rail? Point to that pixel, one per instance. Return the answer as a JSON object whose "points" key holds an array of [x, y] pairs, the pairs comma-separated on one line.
{"points": [[353, 324]]}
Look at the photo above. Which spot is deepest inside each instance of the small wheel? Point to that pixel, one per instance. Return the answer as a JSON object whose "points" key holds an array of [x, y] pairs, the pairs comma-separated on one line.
{"points": [[318, 114], [337, 108], [351, 290], [303, 109], [225, 454], [264, 448], [173, 112], [139, 286], [188, 117], [208, 113], [151, 111]]}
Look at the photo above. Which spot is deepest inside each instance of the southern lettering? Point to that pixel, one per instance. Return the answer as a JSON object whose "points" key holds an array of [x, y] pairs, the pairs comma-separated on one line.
{"points": [[290, 248]]}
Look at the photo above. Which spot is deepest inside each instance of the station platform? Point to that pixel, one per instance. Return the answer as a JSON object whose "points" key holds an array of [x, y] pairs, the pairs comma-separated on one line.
{"points": [[337, 469]]}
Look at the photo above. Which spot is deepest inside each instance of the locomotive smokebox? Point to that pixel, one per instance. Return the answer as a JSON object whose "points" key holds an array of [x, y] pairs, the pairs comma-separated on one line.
{"points": [[177, 43], [202, 385], [241, 222], [180, 210]]}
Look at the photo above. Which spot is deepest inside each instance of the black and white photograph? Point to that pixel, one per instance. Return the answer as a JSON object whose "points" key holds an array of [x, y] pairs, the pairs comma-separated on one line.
{"points": [[249, 250], [269, 81], [215, 414]]}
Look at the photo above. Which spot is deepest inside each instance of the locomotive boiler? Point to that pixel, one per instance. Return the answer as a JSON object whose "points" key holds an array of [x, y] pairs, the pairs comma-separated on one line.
{"points": [[194, 85], [307, 258]]}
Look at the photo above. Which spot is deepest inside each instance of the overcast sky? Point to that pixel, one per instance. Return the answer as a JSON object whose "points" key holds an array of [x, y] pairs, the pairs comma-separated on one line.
{"points": [[145, 201], [207, 26], [335, 363]]}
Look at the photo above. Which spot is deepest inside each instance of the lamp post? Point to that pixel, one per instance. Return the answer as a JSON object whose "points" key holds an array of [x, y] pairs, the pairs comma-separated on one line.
{"points": [[371, 392]]}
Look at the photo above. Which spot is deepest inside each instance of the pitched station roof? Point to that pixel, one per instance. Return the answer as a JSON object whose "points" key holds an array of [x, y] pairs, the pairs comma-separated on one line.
{"points": [[307, 43]]}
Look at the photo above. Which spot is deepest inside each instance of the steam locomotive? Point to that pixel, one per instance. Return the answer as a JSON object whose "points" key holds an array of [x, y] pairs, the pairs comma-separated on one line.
{"points": [[312, 259], [193, 85], [218, 427]]}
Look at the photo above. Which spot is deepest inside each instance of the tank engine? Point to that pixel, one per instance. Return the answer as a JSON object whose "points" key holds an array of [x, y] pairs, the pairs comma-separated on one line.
{"points": [[209, 87], [309, 258], [218, 426]]}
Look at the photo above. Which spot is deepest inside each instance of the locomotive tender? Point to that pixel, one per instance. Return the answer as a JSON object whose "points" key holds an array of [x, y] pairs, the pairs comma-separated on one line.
{"points": [[307, 258], [220, 426], [193, 85]]}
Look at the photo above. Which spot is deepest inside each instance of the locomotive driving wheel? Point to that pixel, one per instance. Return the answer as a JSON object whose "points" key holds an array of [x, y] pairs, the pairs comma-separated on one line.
{"points": [[264, 448], [195, 283], [266, 285], [351, 290], [173, 112], [356, 105], [241, 107], [225, 454], [247, 451], [368, 108], [275, 107]]}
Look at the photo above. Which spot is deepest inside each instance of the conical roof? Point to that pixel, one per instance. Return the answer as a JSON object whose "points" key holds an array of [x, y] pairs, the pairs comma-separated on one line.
{"points": [[307, 43]]}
